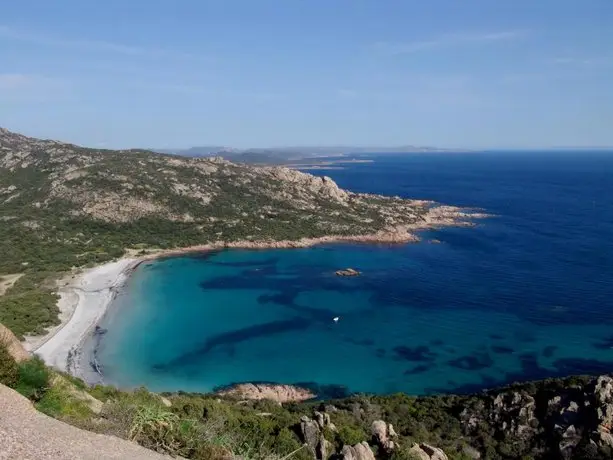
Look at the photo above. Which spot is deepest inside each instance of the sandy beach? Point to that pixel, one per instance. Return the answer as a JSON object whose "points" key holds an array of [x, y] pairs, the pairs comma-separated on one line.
{"points": [[84, 298]]}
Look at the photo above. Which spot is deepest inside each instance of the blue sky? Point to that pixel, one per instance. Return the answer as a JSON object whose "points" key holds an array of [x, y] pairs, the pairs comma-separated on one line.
{"points": [[449, 73]]}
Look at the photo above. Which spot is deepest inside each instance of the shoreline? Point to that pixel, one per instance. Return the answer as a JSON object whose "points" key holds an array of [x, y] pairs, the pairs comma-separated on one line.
{"points": [[86, 295]]}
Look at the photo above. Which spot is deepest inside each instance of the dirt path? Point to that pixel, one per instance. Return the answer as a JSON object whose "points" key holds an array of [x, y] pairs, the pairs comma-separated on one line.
{"points": [[26, 434]]}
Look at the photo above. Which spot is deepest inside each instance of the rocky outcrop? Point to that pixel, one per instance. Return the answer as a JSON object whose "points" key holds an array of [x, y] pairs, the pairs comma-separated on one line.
{"points": [[347, 272], [427, 452], [13, 345], [278, 393], [383, 434], [312, 434], [361, 451]]}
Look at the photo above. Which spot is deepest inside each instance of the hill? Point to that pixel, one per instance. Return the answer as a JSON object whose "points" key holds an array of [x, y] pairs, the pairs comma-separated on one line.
{"points": [[62, 205]]}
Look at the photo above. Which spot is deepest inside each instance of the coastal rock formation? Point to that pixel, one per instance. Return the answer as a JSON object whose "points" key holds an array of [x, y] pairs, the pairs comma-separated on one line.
{"points": [[13, 345], [347, 272], [277, 393], [426, 452], [193, 200], [361, 451], [383, 433]]}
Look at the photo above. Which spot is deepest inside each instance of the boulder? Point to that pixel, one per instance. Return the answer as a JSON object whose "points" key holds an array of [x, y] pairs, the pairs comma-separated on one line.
{"points": [[348, 272], [361, 451], [382, 433], [277, 393], [427, 452], [313, 437], [13, 345], [514, 413]]}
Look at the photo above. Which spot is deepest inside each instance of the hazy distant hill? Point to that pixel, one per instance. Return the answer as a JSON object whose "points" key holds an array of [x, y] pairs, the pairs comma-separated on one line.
{"points": [[280, 155]]}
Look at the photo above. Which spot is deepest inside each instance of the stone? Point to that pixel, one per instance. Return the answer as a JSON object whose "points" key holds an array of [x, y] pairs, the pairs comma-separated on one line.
{"points": [[382, 432], [361, 451], [427, 452], [12, 344], [312, 434], [471, 452], [277, 393], [347, 272]]}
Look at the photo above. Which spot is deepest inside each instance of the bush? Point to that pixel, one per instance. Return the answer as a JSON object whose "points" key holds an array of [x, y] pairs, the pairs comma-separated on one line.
{"points": [[33, 379], [348, 435], [9, 371], [60, 403]]}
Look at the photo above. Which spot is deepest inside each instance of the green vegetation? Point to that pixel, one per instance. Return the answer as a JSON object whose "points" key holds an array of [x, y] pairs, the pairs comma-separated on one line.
{"points": [[202, 427], [33, 379], [9, 371]]}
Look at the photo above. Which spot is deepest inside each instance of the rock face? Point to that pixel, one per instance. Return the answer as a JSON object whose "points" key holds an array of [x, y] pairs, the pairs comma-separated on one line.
{"points": [[12, 344], [361, 451], [312, 434], [278, 393], [382, 434], [574, 419], [427, 452], [347, 272]]}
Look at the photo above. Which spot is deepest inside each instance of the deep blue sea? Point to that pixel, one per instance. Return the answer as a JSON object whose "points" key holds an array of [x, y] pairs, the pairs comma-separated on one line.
{"points": [[523, 295]]}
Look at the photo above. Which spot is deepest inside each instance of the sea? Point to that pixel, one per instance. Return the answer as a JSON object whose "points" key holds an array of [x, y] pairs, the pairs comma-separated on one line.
{"points": [[525, 294]]}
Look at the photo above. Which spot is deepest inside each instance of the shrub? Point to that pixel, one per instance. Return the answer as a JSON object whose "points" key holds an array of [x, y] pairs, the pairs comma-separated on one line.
{"points": [[9, 371], [33, 379], [59, 403], [350, 435]]}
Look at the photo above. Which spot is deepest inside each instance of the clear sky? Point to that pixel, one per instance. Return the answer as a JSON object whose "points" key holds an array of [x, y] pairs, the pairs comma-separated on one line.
{"points": [[176, 73]]}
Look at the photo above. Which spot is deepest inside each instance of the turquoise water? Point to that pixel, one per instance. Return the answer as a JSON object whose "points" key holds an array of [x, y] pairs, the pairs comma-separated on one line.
{"points": [[524, 295]]}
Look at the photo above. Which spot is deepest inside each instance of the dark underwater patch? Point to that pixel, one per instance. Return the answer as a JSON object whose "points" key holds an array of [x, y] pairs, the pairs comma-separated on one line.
{"points": [[502, 350], [474, 362], [496, 337], [418, 354], [549, 351], [361, 342], [417, 370], [325, 392], [605, 344], [270, 261], [437, 342], [234, 337], [380, 352], [203, 255]]}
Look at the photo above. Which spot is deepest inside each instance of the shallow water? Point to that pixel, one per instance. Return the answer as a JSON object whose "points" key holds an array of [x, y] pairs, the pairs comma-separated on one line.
{"points": [[524, 295]]}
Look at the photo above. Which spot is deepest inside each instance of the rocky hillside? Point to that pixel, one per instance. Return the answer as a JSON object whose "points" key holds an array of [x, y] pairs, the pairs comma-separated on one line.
{"points": [[70, 195], [62, 206]]}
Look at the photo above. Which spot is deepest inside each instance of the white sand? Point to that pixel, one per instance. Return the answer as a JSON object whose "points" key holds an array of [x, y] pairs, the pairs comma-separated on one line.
{"points": [[84, 299]]}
